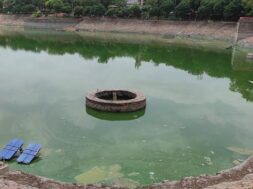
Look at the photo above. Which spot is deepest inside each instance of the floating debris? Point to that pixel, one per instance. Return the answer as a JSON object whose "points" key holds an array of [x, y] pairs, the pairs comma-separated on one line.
{"points": [[208, 160], [242, 151], [212, 152], [251, 82], [151, 173], [58, 150]]}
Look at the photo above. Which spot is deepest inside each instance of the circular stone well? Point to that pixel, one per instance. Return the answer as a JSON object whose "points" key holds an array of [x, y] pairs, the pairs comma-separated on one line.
{"points": [[116, 100]]}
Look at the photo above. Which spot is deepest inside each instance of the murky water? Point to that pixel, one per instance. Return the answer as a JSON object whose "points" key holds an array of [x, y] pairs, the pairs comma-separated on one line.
{"points": [[198, 118]]}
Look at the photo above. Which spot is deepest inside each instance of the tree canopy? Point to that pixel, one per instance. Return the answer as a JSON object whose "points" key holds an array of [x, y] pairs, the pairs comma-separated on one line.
{"points": [[151, 9]]}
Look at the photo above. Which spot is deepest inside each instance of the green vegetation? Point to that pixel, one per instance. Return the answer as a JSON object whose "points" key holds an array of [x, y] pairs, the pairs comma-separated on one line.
{"points": [[151, 9]]}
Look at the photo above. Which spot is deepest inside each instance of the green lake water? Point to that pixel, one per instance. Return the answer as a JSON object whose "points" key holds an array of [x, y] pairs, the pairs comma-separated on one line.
{"points": [[198, 118]]}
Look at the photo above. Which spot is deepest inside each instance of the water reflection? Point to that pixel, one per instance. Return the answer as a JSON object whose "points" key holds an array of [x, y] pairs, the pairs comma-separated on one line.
{"points": [[115, 116], [194, 61]]}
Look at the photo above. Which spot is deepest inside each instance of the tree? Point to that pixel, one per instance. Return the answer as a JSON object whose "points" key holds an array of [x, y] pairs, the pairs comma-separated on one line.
{"points": [[8, 5], [233, 10], [166, 7], [1, 5], [205, 9], [78, 11], [218, 9], [55, 5], [248, 7], [145, 11], [97, 10], [183, 9], [134, 11]]}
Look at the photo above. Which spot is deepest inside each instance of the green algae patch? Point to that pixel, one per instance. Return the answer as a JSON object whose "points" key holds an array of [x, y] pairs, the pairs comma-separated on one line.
{"points": [[110, 175], [96, 174]]}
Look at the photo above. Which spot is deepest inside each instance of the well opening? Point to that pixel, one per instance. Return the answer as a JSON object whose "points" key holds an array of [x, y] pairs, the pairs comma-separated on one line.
{"points": [[115, 95]]}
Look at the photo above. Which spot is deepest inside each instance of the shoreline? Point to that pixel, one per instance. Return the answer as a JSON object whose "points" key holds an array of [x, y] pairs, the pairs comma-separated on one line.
{"points": [[238, 177], [224, 31], [184, 32], [187, 31]]}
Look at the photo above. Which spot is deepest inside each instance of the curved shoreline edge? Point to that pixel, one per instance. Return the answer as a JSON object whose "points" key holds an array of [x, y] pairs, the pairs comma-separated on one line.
{"points": [[204, 33], [241, 175]]}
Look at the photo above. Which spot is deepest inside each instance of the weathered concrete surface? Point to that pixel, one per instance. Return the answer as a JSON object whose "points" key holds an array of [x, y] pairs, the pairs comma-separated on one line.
{"points": [[216, 30], [245, 29], [137, 102]]}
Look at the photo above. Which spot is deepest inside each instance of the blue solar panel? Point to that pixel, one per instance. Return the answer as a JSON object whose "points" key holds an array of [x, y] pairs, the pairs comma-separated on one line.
{"points": [[29, 153], [21, 158], [28, 159], [11, 149]]}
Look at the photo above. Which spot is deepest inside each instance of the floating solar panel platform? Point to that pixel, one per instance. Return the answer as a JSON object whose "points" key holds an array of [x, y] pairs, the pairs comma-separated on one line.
{"points": [[11, 149], [29, 153]]}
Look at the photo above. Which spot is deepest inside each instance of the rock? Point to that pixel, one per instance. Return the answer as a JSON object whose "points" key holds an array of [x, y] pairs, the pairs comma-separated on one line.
{"points": [[208, 160], [4, 168], [236, 162]]}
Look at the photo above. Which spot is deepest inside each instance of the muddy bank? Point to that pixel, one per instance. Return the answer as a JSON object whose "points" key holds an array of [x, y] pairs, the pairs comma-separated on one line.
{"points": [[211, 30], [240, 176], [185, 32]]}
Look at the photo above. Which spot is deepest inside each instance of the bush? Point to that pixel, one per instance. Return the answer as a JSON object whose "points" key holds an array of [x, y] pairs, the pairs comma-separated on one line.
{"points": [[233, 10], [166, 7], [1, 5], [145, 11], [155, 12], [78, 11], [134, 11], [37, 14], [28, 8], [183, 9], [205, 9], [113, 12], [54, 5], [248, 7], [97, 10], [66, 9]]}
